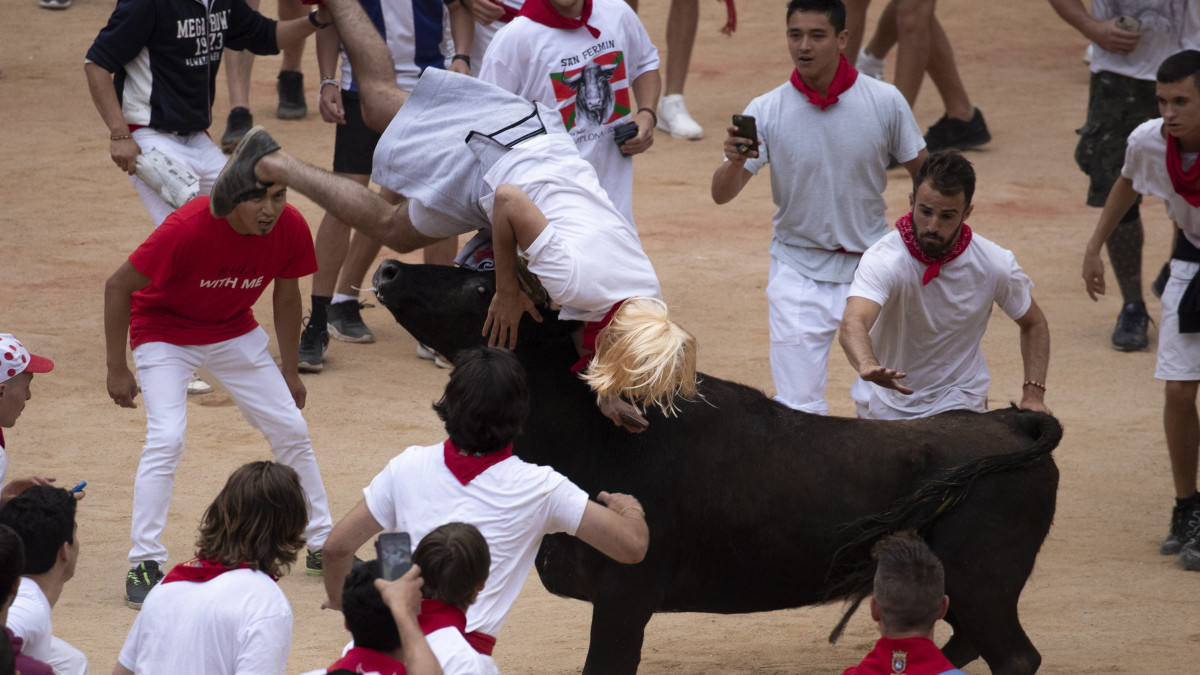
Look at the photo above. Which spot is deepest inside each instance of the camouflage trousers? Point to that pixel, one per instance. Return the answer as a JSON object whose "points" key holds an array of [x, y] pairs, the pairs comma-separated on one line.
{"points": [[1116, 106]]}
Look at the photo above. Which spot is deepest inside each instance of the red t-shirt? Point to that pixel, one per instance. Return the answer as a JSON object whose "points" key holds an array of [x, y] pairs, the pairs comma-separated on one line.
{"points": [[204, 277]]}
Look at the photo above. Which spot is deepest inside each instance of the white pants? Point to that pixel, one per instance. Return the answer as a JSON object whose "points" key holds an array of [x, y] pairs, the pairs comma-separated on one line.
{"points": [[197, 151], [65, 659], [804, 315], [1178, 353], [245, 368]]}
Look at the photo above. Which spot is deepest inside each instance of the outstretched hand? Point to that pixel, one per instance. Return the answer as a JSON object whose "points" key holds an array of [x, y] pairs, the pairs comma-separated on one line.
{"points": [[504, 315], [887, 378]]}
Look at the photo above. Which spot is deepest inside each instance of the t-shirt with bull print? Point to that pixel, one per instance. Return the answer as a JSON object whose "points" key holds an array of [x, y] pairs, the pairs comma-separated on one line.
{"points": [[587, 79], [205, 277]]}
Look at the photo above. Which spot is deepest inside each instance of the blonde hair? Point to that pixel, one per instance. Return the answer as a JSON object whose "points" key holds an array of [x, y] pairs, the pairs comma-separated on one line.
{"points": [[645, 356]]}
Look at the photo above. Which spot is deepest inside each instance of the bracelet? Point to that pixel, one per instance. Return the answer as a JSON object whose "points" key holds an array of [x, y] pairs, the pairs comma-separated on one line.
{"points": [[329, 80], [1039, 385], [633, 508], [120, 137], [312, 18], [465, 58], [652, 114]]}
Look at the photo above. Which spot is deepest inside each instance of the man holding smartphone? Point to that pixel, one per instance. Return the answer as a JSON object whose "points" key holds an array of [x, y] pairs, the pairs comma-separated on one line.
{"points": [[828, 134]]}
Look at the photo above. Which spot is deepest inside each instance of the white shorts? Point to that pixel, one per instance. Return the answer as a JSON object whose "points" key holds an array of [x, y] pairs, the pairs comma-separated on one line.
{"points": [[1178, 353], [196, 151]]}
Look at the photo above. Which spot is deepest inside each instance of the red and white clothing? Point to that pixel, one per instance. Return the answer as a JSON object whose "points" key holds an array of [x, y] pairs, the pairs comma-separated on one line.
{"points": [[933, 331], [1146, 165], [29, 619], [587, 80], [911, 656], [196, 313], [828, 174], [444, 627], [513, 503], [237, 622]]}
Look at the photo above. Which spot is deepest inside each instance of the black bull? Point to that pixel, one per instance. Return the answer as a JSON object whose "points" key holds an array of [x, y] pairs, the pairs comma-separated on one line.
{"points": [[755, 507]]}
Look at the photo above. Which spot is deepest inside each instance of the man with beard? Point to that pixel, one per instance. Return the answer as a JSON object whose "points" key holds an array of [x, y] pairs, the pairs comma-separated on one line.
{"points": [[921, 300]]}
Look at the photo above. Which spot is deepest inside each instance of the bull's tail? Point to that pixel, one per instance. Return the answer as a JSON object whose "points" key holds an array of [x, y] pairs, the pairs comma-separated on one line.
{"points": [[921, 509]]}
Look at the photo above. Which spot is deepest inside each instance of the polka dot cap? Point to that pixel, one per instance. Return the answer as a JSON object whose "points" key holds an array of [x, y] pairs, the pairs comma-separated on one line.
{"points": [[15, 359]]}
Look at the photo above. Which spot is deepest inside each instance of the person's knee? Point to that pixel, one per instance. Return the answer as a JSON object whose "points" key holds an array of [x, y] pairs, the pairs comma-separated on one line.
{"points": [[1181, 395], [914, 18]]}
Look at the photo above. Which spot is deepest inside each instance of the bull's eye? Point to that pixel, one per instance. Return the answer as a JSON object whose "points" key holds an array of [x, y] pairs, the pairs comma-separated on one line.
{"points": [[481, 291]]}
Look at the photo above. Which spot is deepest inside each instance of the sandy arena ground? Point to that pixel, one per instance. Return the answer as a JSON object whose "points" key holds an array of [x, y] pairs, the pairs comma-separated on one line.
{"points": [[1101, 598]]}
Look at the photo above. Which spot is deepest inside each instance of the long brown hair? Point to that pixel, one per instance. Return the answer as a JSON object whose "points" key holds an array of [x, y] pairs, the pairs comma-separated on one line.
{"points": [[258, 519]]}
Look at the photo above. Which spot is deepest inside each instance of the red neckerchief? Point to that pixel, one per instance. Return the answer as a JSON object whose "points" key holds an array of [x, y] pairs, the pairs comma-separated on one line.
{"points": [[544, 13], [466, 467], [904, 227], [1, 441], [509, 12], [843, 79], [481, 642], [436, 615], [911, 656], [1186, 183], [199, 570], [590, 331], [363, 660]]}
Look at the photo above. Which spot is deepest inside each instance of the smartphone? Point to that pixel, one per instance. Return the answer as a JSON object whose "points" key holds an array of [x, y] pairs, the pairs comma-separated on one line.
{"points": [[393, 553], [624, 132], [1129, 24], [746, 128]]}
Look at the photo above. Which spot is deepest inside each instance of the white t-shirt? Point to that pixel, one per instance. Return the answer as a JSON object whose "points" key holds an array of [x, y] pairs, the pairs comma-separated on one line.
{"points": [[239, 622], [589, 257], [29, 619], [932, 332], [417, 35], [829, 171], [588, 80], [1146, 166], [457, 656], [1167, 27], [513, 503]]}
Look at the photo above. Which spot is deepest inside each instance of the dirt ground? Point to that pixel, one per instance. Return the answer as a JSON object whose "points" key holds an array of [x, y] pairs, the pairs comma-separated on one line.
{"points": [[1101, 598]]}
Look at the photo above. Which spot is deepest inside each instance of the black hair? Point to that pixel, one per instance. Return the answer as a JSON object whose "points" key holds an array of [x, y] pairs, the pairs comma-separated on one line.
{"points": [[12, 560], [948, 172], [1178, 66], [486, 400], [368, 619], [834, 9], [44, 518]]}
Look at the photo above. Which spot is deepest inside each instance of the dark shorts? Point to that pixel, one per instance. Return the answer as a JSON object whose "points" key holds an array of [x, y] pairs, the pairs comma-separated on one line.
{"points": [[354, 145], [1116, 106]]}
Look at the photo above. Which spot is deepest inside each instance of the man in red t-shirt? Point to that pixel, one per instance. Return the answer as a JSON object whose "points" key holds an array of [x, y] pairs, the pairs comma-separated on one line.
{"points": [[184, 298]]}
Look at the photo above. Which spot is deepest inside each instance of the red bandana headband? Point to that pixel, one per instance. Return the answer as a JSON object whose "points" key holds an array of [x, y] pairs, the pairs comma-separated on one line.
{"points": [[843, 79], [544, 13], [1186, 183], [904, 227]]}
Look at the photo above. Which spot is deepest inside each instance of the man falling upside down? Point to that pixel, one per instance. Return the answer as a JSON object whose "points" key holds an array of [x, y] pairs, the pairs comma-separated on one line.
{"points": [[519, 175]]}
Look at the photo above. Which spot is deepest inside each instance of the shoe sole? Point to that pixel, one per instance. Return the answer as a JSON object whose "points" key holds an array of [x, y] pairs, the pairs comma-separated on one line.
{"points": [[131, 604], [1170, 548], [314, 573], [1129, 348], [222, 199], [1190, 559], [291, 113], [672, 134], [311, 367], [199, 392], [338, 335]]}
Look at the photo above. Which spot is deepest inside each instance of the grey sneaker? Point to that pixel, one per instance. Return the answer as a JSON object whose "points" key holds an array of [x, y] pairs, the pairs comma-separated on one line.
{"points": [[1130, 334], [240, 121], [139, 581], [314, 563], [346, 324], [314, 343], [236, 183], [290, 87]]}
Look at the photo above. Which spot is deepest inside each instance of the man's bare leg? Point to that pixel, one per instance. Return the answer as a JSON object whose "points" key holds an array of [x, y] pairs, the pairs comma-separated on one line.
{"points": [[856, 23], [349, 202], [1182, 426], [373, 68], [914, 30], [682, 21], [944, 73]]}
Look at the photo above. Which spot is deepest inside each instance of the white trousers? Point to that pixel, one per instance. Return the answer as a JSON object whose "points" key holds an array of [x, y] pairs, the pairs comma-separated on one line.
{"points": [[196, 151], [65, 659], [804, 315], [245, 368]]}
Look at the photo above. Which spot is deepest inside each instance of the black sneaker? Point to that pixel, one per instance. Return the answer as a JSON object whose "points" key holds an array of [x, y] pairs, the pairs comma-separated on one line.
{"points": [[290, 87], [139, 581], [346, 324], [951, 133], [1160, 282], [1189, 555], [1132, 324], [1185, 528], [240, 121], [314, 343]]}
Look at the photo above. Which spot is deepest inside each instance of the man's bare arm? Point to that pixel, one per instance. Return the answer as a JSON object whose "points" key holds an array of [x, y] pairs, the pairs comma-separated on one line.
{"points": [[122, 387], [729, 178], [1120, 198], [289, 308], [1035, 354], [515, 219], [617, 529], [1103, 33], [124, 151], [854, 335]]}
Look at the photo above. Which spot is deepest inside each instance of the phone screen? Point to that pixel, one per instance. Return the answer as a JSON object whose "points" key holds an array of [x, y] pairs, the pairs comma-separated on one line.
{"points": [[393, 551]]}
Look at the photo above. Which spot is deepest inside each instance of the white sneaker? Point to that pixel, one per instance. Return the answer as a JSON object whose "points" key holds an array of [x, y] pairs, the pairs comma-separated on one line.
{"points": [[170, 178], [428, 354], [674, 119], [198, 387], [54, 4], [870, 65]]}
